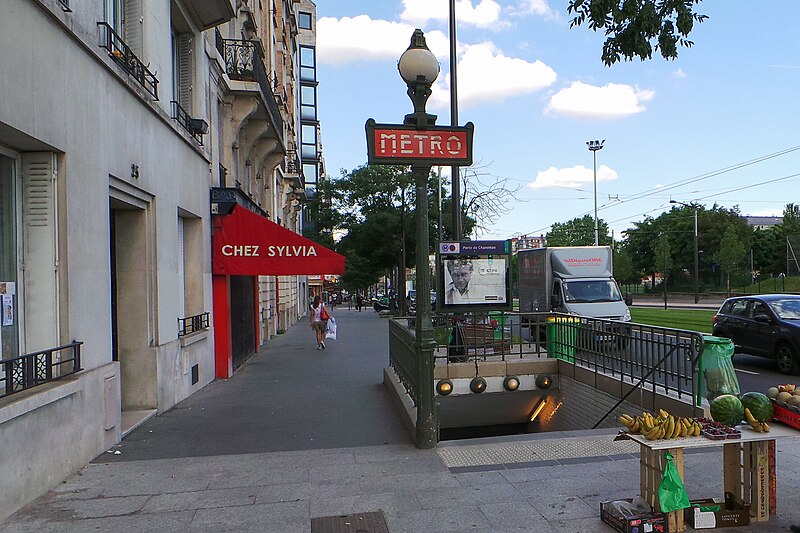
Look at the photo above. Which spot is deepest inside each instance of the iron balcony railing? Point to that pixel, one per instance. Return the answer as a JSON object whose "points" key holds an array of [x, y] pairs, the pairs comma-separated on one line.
{"points": [[29, 370], [65, 6], [192, 324], [244, 61], [649, 357], [195, 126], [122, 54]]}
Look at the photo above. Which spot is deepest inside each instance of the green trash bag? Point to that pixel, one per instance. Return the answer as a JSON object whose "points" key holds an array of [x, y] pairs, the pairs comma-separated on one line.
{"points": [[671, 493]]}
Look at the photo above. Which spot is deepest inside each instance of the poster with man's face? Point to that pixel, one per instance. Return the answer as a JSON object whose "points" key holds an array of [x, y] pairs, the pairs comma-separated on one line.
{"points": [[475, 281]]}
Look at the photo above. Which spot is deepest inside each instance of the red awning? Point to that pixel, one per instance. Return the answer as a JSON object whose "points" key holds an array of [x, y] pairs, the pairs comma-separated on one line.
{"points": [[247, 244]]}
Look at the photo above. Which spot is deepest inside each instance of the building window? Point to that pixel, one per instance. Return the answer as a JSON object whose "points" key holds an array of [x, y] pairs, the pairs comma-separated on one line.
{"points": [[308, 141], [308, 64], [308, 102], [9, 296], [304, 20], [28, 236]]}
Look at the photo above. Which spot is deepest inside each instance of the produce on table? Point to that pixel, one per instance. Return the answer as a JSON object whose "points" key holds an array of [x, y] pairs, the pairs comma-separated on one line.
{"points": [[663, 426], [772, 392], [784, 397], [786, 388], [759, 405], [727, 409], [758, 425]]}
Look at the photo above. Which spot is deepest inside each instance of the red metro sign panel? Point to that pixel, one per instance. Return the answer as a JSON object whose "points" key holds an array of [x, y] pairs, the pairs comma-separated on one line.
{"points": [[397, 144]]}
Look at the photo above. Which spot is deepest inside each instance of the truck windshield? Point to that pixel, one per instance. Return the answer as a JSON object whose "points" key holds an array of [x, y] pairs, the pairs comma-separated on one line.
{"points": [[591, 291]]}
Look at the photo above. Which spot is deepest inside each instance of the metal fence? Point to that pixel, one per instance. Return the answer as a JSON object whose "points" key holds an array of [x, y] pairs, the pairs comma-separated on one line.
{"points": [[192, 324], [32, 369], [652, 358]]}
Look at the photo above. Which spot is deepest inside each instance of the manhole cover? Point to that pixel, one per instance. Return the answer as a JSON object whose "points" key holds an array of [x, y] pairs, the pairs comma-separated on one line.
{"points": [[350, 523]]}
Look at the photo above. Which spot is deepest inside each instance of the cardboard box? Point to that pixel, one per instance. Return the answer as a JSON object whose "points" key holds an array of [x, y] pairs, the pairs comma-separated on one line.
{"points": [[732, 513], [644, 523]]}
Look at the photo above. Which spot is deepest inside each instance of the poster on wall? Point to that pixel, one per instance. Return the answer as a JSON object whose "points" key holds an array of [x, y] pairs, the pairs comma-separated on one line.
{"points": [[474, 275], [8, 310]]}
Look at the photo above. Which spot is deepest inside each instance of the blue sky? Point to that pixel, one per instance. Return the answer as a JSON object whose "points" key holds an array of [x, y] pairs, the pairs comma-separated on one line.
{"points": [[718, 125]]}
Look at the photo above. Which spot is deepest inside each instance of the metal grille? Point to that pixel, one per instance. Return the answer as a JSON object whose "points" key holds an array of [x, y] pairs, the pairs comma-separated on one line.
{"points": [[122, 54], [32, 369], [191, 324], [188, 123], [373, 522]]}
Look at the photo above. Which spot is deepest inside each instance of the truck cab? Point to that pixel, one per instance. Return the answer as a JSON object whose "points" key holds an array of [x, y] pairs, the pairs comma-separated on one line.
{"points": [[592, 297]]}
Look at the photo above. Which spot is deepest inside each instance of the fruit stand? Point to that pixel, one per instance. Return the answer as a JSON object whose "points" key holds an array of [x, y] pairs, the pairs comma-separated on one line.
{"points": [[748, 468]]}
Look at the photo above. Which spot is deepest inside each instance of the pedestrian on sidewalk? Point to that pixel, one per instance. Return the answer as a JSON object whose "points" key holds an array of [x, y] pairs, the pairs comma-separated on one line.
{"points": [[359, 302], [318, 317]]}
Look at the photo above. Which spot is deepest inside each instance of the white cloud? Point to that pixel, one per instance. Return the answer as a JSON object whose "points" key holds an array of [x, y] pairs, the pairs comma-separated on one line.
{"points": [[680, 74], [589, 101], [486, 75], [485, 14], [534, 7], [352, 39], [571, 178]]}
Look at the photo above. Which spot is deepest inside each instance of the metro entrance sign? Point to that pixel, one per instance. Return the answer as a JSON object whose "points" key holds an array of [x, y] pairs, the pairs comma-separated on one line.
{"points": [[399, 144]]}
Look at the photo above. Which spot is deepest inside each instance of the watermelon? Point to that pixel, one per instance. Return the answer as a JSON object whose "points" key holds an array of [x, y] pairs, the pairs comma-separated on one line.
{"points": [[759, 404], [727, 409]]}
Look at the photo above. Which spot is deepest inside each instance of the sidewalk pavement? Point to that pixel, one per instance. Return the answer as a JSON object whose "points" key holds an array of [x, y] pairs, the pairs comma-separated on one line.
{"points": [[299, 436]]}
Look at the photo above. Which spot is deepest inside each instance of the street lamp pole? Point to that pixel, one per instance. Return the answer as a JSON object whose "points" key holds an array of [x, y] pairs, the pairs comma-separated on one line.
{"points": [[594, 146], [696, 276], [418, 68]]}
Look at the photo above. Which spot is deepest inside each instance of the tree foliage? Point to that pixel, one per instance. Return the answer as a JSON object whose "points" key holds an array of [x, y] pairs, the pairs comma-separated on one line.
{"points": [[731, 255], [578, 232], [635, 28]]}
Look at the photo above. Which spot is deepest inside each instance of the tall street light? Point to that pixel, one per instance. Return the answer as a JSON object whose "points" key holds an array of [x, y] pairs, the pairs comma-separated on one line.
{"points": [[696, 275], [594, 146], [418, 68]]}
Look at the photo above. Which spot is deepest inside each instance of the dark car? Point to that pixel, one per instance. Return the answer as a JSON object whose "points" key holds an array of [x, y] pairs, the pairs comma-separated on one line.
{"points": [[766, 325]]}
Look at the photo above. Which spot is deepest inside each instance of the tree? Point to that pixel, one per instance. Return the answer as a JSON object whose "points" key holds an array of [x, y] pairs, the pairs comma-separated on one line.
{"points": [[578, 232], [624, 272], [484, 201], [731, 255], [634, 28]]}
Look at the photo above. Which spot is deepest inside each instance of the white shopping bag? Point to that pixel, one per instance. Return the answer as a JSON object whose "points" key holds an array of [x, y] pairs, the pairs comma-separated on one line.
{"points": [[331, 332]]}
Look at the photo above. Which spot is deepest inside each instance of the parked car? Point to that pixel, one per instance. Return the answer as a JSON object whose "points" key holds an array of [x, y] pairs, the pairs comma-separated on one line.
{"points": [[765, 325]]}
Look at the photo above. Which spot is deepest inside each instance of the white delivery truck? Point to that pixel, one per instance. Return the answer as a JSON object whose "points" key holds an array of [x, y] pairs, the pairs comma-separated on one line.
{"points": [[574, 280]]}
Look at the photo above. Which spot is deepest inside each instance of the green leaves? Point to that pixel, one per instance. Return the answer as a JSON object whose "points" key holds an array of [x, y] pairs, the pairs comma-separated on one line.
{"points": [[635, 28]]}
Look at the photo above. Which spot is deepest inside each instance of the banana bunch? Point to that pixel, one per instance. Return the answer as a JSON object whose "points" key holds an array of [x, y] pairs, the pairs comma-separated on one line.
{"points": [[663, 426], [761, 427]]}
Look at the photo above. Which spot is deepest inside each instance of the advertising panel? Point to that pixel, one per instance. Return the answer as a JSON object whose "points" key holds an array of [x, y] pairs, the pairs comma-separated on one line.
{"points": [[473, 275]]}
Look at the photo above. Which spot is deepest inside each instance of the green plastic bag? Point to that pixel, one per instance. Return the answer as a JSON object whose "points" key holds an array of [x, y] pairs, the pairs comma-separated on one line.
{"points": [[671, 493]]}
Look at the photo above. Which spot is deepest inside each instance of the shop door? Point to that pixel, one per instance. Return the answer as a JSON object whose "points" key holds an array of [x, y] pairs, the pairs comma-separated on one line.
{"points": [[243, 325]]}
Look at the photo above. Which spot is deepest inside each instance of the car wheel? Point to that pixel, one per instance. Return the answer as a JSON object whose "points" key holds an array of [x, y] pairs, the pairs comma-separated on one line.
{"points": [[786, 358]]}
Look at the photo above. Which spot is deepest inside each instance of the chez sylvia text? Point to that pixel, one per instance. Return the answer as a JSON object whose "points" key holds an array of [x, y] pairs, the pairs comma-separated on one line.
{"points": [[254, 250]]}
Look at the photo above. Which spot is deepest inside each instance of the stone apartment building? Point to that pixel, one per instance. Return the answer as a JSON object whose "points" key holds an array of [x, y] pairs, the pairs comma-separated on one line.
{"points": [[127, 129]]}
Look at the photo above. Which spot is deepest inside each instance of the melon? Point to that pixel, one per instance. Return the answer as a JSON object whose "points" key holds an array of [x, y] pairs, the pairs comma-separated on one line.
{"points": [[727, 409], [783, 397], [772, 392], [760, 406]]}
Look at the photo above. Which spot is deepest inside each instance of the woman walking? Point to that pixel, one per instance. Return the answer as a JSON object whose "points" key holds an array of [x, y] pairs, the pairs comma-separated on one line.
{"points": [[318, 317]]}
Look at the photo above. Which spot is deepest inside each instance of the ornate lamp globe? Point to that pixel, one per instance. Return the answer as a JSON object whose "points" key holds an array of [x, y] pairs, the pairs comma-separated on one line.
{"points": [[418, 64]]}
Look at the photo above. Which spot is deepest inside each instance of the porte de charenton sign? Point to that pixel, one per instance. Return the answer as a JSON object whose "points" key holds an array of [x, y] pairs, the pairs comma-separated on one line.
{"points": [[398, 144]]}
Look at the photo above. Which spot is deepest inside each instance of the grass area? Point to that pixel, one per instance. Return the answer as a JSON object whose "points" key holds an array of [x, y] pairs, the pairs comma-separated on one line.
{"points": [[690, 319], [774, 285]]}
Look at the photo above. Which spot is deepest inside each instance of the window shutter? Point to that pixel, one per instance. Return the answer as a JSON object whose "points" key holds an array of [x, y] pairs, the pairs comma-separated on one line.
{"points": [[133, 34], [40, 257], [185, 71]]}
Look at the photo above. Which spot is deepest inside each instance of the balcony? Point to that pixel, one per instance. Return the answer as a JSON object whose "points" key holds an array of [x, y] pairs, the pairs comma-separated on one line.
{"points": [[210, 13], [124, 57], [244, 61], [197, 127], [293, 169], [193, 324], [29, 370]]}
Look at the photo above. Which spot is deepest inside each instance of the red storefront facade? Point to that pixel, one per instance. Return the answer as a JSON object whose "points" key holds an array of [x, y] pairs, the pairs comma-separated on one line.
{"points": [[246, 245]]}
